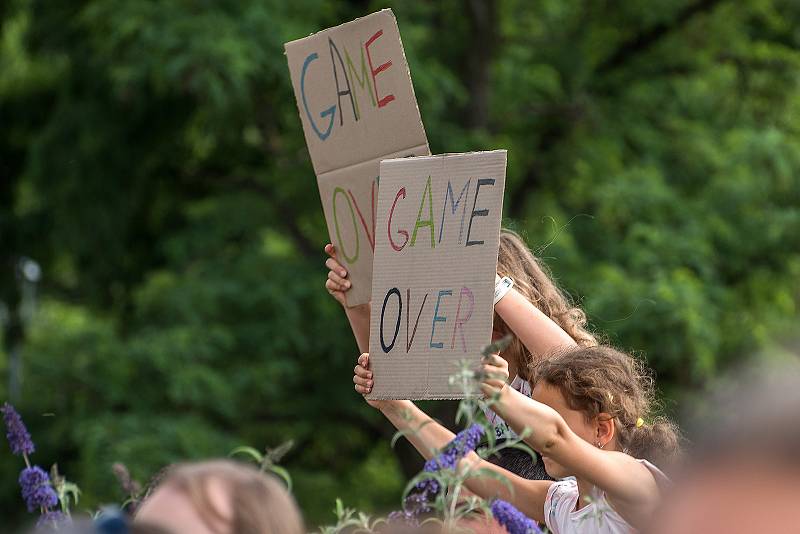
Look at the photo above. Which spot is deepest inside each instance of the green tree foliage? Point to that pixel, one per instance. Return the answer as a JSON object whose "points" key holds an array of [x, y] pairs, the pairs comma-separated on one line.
{"points": [[152, 161]]}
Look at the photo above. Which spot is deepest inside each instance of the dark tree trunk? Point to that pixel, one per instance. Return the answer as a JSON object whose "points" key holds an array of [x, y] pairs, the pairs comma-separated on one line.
{"points": [[480, 48]]}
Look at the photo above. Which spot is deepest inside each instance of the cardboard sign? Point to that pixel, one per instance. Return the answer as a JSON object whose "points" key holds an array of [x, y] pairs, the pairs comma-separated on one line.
{"points": [[437, 236], [357, 106]]}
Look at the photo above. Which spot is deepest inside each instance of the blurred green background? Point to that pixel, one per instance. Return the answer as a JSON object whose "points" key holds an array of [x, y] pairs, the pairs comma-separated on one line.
{"points": [[152, 164]]}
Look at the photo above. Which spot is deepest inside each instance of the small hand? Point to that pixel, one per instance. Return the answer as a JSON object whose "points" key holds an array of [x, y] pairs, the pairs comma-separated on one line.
{"points": [[337, 283], [362, 378], [493, 374]]}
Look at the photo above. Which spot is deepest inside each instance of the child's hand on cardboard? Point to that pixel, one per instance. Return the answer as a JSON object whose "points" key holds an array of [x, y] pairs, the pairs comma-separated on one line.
{"points": [[337, 283], [362, 378]]}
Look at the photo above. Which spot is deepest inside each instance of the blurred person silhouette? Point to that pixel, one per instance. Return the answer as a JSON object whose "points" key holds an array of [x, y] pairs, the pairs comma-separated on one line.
{"points": [[743, 475], [220, 497]]}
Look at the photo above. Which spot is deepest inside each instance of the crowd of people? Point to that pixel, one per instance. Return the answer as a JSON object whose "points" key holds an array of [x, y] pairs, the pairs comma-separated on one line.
{"points": [[608, 461]]}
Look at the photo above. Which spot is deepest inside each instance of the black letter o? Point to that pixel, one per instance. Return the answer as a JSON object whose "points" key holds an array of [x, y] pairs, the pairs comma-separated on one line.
{"points": [[395, 291]]}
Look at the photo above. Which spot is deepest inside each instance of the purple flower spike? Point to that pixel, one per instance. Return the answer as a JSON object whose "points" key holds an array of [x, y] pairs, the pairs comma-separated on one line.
{"points": [[514, 521], [17, 434], [36, 488], [418, 502], [464, 442]]}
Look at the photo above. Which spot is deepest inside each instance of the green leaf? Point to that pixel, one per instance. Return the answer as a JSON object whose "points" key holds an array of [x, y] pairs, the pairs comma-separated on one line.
{"points": [[71, 490], [284, 474], [497, 346], [248, 451]]}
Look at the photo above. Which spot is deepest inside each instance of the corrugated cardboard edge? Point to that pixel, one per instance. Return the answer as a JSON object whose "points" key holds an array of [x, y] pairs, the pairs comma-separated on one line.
{"points": [[448, 154], [370, 396], [349, 22]]}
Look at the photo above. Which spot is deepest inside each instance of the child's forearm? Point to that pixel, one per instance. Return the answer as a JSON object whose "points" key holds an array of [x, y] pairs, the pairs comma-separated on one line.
{"points": [[428, 436], [358, 316], [538, 332], [527, 496], [547, 429]]}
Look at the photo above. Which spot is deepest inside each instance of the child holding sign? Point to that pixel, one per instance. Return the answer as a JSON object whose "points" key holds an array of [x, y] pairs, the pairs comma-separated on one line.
{"points": [[531, 339], [587, 416], [534, 310]]}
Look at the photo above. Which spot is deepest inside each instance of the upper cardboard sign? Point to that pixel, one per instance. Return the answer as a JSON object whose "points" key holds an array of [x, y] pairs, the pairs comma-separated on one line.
{"points": [[437, 237], [357, 106], [354, 92]]}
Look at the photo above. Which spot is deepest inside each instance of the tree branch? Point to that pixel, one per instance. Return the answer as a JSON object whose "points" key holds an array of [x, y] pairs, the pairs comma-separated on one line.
{"points": [[642, 42], [480, 53]]}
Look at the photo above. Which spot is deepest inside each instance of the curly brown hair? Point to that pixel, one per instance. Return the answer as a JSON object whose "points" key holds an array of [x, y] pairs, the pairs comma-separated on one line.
{"points": [[602, 380], [533, 280]]}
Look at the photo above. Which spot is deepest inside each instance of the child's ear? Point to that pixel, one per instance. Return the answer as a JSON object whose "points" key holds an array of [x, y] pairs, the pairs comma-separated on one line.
{"points": [[605, 429]]}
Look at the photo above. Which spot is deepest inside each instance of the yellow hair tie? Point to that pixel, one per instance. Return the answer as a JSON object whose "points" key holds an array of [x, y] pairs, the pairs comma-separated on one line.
{"points": [[639, 422]]}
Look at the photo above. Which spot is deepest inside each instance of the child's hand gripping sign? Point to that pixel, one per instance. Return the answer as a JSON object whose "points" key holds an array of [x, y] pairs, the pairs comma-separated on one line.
{"points": [[436, 240]]}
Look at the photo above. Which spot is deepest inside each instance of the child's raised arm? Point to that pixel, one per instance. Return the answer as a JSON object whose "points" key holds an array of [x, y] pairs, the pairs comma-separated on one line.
{"points": [[337, 285], [538, 332], [629, 486]]}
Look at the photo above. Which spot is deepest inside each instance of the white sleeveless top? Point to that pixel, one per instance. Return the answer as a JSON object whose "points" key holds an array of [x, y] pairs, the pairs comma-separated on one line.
{"points": [[597, 517], [501, 428]]}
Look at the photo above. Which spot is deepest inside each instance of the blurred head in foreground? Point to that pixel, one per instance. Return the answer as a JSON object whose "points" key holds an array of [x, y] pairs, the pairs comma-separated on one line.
{"points": [[220, 497], [745, 473]]}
